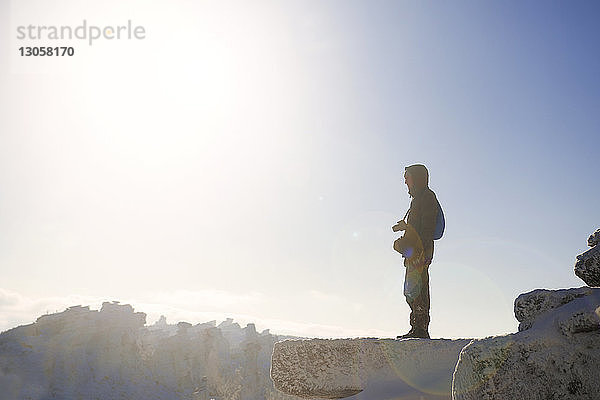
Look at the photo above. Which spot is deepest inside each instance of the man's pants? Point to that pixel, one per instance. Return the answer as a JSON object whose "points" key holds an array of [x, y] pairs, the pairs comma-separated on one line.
{"points": [[416, 291]]}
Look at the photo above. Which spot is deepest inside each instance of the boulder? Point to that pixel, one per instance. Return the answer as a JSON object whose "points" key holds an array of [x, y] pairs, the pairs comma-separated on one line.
{"points": [[587, 266], [556, 357], [529, 306], [594, 238], [367, 368]]}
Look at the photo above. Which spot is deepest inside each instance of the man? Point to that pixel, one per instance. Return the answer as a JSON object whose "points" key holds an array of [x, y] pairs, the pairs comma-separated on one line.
{"points": [[416, 247]]}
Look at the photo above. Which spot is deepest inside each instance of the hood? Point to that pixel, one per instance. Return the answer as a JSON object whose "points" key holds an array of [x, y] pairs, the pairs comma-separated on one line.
{"points": [[420, 177]]}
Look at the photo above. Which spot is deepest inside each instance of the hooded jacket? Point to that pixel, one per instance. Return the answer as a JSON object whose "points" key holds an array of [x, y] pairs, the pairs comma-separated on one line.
{"points": [[423, 208]]}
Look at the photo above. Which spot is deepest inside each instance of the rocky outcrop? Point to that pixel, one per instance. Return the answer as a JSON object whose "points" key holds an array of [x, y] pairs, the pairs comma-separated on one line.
{"points": [[556, 356], [594, 238], [587, 266], [111, 354], [368, 368], [531, 305]]}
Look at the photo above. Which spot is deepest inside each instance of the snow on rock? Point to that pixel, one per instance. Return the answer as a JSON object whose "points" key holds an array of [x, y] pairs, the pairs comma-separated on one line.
{"points": [[367, 368], [528, 306], [110, 354], [556, 357]]}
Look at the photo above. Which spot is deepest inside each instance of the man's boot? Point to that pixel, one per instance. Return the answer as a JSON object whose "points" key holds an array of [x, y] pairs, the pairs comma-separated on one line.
{"points": [[416, 334], [421, 327], [408, 335], [421, 334]]}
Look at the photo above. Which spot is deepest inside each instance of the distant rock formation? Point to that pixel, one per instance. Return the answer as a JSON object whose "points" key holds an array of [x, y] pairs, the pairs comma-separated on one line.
{"points": [[587, 266], [110, 354], [367, 368]]}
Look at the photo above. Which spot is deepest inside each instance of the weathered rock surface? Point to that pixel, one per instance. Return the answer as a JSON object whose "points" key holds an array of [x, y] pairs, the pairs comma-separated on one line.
{"points": [[367, 368], [529, 306], [587, 266], [594, 238], [557, 357]]}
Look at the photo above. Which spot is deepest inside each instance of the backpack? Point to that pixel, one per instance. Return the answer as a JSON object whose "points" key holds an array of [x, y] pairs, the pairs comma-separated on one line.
{"points": [[440, 223]]}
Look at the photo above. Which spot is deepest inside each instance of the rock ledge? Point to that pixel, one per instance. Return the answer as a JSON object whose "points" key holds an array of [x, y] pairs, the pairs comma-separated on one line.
{"points": [[368, 368]]}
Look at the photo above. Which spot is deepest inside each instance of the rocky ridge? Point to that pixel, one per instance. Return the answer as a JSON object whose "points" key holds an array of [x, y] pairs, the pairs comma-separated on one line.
{"points": [[111, 354]]}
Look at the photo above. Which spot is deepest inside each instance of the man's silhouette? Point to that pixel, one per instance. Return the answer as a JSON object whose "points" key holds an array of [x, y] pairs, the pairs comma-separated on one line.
{"points": [[416, 246]]}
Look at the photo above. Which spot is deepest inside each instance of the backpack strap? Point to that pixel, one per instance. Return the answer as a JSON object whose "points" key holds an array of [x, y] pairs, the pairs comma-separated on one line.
{"points": [[406, 215]]}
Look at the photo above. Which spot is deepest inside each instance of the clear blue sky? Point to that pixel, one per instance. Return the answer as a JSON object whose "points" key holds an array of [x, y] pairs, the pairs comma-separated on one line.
{"points": [[246, 159]]}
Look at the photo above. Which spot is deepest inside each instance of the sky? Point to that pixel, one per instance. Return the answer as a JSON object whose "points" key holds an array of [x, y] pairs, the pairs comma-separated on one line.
{"points": [[245, 159]]}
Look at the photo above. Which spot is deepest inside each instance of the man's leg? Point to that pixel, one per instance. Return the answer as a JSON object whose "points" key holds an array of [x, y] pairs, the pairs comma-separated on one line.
{"points": [[409, 295], [420, 306], [411, 304], [412, 290]]}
